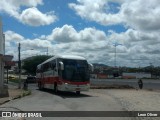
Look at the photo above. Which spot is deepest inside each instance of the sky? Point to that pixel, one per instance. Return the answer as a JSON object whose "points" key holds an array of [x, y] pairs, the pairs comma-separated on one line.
{"points": [[94, 29]]}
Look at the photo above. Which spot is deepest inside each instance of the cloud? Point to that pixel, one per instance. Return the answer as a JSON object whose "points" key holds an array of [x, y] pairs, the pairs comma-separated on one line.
{"points": [[94, 44], [11, 36], [69, 34], [141, 15], [31, 15], [36, 43], [135, 14], [141, 20], [29, 47], [65, 34], [12, 7], [95, 10]]}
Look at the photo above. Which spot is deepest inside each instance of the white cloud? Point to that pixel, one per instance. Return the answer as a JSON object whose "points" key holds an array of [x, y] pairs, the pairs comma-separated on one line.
{"points": [[36, 43], [29, 47], [140, 40], [141, 15], [136, 14], [31, 15], [12, 7], [68, 34], [26, 2], [95, 10], [93, 44], [12, 36], [64, 34]]}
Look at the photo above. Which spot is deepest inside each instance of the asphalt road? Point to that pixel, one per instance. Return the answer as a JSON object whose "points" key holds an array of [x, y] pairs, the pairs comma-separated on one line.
{"points": [[65, 101], [147, 83]]}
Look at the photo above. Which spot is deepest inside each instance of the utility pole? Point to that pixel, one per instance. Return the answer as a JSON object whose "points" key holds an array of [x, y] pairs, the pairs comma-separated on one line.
{"points": [[47, 51], [19, 65], [115, 56], [151, 69]]}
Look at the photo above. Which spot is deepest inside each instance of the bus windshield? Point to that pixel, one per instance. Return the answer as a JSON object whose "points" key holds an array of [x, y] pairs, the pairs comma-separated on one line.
{"points": [[75, 70]]}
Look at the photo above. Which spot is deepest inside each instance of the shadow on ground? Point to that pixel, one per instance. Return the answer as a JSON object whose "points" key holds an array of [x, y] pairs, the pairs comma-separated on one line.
{"points": [[65, 94], [113, 86]]}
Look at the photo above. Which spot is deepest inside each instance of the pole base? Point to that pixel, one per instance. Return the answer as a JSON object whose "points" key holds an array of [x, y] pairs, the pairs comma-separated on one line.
{"points": [[4, 91]]}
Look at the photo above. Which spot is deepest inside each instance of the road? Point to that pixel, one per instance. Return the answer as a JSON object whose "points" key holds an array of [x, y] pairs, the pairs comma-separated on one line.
{"points": [[65, 101], [93, 100], [147, 83]]}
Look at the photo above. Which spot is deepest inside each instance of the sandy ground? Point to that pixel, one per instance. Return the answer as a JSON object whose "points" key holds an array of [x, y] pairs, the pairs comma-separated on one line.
{"points": [[135, 100]]}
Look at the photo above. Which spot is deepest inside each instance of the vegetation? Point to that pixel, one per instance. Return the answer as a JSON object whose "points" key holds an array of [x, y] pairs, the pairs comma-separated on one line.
{"points": [[14, 80], [30, 64]]}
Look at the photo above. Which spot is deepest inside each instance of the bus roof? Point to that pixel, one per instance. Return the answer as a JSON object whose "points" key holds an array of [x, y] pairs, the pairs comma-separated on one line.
{"points": [[73, 57]]}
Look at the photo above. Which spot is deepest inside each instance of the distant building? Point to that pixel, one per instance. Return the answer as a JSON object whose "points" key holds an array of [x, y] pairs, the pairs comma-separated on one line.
{"points": [[135, 75]]}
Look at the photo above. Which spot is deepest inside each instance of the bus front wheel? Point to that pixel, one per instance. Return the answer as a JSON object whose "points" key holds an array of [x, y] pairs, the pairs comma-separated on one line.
{"points": [[55, 88], [40, 86], [78, 92]]}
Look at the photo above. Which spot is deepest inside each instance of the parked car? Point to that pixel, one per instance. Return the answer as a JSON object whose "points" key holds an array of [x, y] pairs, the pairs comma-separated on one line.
{"points": [[11, 77], [31, 79]]}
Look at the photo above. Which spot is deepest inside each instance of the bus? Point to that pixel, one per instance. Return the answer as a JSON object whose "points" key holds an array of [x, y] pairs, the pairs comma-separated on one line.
{"points": [[64, 73]]}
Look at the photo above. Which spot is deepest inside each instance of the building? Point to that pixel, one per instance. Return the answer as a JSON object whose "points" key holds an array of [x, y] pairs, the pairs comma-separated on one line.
{"points": [[2, 50], [136, 75], [3, 90]]}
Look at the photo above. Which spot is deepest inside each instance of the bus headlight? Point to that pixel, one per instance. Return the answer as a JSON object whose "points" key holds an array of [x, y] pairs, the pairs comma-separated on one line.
{"points": [[66, 83]]}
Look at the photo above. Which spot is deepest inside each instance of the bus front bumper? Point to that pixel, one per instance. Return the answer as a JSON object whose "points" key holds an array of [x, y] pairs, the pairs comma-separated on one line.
{"points": [[71, 87]]}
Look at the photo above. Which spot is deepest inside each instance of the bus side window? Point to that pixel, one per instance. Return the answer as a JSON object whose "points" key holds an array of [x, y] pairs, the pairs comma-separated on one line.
{"points": [[46, 66], [39, 69], [53, 65], [42, 69]]}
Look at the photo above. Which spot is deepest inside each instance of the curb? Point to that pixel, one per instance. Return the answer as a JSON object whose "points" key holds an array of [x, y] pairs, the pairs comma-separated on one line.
{"points": [[16, 97]]}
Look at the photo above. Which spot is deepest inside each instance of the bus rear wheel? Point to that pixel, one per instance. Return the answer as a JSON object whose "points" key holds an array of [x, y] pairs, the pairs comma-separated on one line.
{"points": [[78, 92], [40, 86], [55, 88]]}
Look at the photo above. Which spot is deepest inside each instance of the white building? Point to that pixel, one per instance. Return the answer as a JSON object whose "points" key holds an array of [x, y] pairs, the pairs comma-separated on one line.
{"points": [[136, 75], [2, 50]]}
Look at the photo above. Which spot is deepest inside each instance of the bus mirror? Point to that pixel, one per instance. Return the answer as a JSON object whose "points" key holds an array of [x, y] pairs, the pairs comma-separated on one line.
{"points": [[61, 66], [91, 67]]}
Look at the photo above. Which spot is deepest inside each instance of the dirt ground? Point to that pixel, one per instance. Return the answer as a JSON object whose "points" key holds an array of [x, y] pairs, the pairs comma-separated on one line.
{"points": [[135, 100]]}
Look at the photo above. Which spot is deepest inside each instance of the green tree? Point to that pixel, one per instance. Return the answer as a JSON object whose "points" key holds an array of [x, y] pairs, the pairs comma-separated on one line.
{"points": [[30, 64]]}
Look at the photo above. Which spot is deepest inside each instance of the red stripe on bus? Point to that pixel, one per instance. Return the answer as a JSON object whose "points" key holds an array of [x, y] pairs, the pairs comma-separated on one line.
{"points": [[51, 80], [76, 83]]}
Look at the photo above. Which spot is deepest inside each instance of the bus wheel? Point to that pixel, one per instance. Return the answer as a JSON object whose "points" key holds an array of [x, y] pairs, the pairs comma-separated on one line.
{"points": [[55, 88], [78, 92], [40, 86]]}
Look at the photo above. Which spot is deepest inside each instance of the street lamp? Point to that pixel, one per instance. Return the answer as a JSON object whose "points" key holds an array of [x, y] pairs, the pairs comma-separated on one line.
{"points": [[45, 52], [115, 60], [19, 65]]}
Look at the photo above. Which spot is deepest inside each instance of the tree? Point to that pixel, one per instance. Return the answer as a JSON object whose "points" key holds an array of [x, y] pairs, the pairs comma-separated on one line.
{"points": [[30, 64]]}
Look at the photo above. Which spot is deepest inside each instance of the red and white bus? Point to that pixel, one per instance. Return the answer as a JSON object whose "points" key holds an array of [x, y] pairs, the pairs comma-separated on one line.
{"points": [[64, 73]]}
